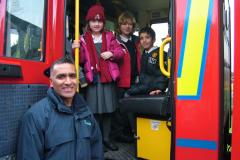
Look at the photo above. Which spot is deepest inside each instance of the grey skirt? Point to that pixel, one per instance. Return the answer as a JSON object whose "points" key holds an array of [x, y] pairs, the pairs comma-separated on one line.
{"points": [[102, 97]]}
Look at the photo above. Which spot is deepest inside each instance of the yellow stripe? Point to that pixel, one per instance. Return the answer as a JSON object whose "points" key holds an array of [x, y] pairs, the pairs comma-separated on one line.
{"points": [[189, 80]]}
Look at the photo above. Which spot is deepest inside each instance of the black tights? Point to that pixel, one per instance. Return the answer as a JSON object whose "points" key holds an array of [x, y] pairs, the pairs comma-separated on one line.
{"points": [[104, 120]]}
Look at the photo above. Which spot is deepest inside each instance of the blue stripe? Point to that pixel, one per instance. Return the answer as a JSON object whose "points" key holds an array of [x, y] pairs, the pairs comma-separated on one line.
{"points": [[205, 47], [191, 143], [188, 97], [186, 21]]}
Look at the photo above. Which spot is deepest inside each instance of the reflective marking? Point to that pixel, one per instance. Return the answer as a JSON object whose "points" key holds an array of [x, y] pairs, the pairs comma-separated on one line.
{"points": [[191, 143], [194, 48]]}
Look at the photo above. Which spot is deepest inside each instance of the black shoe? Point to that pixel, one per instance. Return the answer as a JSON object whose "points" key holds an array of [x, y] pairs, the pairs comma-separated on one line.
{"points": [[104, 149], [110, 145]]}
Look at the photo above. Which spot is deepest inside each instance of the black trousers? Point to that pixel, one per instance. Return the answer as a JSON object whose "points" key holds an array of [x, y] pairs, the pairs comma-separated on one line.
{"points": [[122, 122]]}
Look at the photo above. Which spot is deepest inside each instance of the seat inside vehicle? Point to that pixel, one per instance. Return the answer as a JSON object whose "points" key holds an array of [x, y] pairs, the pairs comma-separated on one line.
{"points": [[146, 105]]}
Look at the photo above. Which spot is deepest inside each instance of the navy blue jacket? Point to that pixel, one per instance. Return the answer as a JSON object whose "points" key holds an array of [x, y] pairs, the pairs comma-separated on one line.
{"points": [[151, 78], [51, 131]]}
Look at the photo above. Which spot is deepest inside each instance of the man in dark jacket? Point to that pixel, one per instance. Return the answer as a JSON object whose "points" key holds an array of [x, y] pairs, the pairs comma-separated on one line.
{"points": [[60, 126]]}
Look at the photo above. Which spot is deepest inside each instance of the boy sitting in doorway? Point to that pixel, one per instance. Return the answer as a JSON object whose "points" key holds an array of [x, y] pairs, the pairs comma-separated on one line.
{"points": [[151, 80]]}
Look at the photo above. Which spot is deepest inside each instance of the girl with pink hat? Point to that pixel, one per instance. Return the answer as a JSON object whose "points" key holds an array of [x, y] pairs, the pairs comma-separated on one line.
{"points": [[100, 52]]}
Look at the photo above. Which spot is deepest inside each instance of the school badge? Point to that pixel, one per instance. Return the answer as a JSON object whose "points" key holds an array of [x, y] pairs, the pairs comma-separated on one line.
{"points": [[154, 55], [97, 16]]}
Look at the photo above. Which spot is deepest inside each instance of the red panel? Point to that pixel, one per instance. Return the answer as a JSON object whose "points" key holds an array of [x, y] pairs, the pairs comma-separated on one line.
{"points": [[199, 119], [32, 71], [2, 24], [184, 153], [180, 15], [55, 34], [236, 89]]}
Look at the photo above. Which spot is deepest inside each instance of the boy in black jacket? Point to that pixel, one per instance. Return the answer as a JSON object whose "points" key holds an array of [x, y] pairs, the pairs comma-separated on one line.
{"points": [[151, 81]]}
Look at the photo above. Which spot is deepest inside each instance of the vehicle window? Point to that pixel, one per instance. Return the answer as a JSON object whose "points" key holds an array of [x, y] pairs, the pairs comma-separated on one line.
{"points": [[161, 30], [24, 29]]}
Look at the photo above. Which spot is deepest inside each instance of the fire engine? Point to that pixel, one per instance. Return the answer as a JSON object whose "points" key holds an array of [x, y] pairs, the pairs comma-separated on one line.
{"points": [[190, 121]]}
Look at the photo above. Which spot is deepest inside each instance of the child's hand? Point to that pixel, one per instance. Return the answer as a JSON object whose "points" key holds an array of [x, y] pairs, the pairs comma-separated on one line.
{"points": [[106, 55], [76, 44], [155, 92]]}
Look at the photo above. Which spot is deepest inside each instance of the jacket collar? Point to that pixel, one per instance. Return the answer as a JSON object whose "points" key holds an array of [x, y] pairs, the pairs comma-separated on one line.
{"points": [[151, 49], [79, 106], [124, 39]]}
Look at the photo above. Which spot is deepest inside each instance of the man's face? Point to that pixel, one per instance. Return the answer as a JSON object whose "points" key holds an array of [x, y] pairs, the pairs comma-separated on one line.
{"points": [[146, 41], [126, 28], [63, 80]]}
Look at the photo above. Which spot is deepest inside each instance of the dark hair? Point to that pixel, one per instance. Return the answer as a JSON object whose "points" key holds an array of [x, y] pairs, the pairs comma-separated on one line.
{"points": [[66, 59], [149, 31]]}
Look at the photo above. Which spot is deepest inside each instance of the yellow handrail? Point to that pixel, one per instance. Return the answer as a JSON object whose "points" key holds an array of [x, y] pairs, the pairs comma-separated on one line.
{"points": [[161, 58], [76, 52]]}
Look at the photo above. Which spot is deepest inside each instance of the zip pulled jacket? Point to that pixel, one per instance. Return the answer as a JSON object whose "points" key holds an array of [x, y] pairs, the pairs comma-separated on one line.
{"points": [[51, 131], [151, 78], [125, 63], [113, 46]]}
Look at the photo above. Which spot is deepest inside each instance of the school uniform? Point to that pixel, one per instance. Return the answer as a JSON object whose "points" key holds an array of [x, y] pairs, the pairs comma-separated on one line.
{"points": [[151, 78]]}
